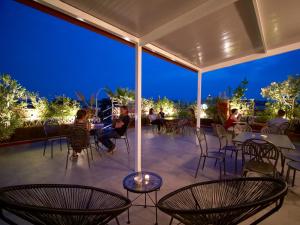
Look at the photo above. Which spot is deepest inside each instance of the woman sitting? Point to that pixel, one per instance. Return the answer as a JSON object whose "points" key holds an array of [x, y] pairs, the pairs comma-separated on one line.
{"points": [[232, 120], [154, 119], [82, 122]]}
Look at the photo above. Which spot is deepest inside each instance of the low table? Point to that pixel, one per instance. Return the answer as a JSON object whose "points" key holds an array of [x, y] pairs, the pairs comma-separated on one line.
{"points": [[143, 183]]}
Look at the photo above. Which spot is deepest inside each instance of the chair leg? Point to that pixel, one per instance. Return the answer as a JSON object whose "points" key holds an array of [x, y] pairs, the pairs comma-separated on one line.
{"points": [[204, 162], [235, 163], [51, 149], [88, 158], [60, 144], [220, 166], [171, 221], [45, 146], [294, 177], [117, 221], [287, 178], [198, 166], [127, 145], [67, 158], [224, 167]]}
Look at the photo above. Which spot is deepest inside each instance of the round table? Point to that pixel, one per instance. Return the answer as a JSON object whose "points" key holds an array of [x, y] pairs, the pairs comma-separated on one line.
{"points": [[143, 183]]}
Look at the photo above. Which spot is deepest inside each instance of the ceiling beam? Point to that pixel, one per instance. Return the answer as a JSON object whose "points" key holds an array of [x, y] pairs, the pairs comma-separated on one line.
{"points": [[248, 58], [260, 24], [201, 11]]}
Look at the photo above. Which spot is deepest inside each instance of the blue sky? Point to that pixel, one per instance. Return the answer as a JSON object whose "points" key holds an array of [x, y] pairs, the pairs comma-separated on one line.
{"points": [[54, 57]]}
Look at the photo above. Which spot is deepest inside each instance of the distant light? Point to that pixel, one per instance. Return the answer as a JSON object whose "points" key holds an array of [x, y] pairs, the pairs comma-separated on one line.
{"points": [[80, 19], [204, 106], [126, 38]]}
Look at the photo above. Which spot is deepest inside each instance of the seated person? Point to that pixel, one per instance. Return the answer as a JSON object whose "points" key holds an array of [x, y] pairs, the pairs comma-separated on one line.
{"points": [[154, 119], [119, 128], [82, 122], [275, 124], [161, 113], [232, 120]]}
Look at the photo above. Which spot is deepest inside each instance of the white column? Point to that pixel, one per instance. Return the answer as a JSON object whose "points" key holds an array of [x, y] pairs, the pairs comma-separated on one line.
{"points": [[138, 108], [199, 97]]}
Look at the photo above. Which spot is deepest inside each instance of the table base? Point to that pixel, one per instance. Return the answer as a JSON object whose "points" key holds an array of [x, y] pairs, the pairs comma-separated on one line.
{"points": [[145, 205]]}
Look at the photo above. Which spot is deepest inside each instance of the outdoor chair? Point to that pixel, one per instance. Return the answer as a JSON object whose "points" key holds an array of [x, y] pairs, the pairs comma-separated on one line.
{"points": [[295, 166], [222, 135], [125, 139], [262, 157], [61, 204], [239, 128], [204, 153], [79, 140], [52, 131], [225, 202]]}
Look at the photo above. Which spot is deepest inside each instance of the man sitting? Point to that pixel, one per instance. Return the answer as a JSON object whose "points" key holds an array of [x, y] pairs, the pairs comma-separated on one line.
{"points": [[275, 124], [119, 128]]}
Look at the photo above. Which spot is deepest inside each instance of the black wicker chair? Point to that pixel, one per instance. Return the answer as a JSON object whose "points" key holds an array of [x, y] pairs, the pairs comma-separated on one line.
{"points": [[225, 202], [78, 140], [218, 156], [60, 204], [224, 145], [52, 131], [262, 157]]}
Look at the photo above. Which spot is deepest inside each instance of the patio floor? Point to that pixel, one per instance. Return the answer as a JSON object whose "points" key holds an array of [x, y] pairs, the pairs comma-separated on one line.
{"points": [[173, 157]]}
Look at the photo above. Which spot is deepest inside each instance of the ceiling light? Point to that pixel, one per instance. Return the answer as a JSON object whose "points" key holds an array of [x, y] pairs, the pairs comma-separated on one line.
{"points": [[80, 19], [126, 38]]}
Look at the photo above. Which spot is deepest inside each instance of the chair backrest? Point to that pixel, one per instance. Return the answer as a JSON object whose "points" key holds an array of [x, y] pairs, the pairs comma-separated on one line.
{"points": [[78, 138], [222, 135], [201, 136], [265, 130], [283, 127], [239, 128], [260, 151], [51, 126]]}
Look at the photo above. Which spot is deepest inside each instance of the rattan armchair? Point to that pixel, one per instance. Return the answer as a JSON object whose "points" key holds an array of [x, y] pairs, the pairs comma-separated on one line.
{"points": [[259, 156], [204, 153], [52, 131], [61, 204], [79, 140], [224, 145], [225, 202]]}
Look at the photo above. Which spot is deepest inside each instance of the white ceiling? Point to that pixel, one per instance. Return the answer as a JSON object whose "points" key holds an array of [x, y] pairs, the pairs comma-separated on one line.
{"points": [[203, 33]]}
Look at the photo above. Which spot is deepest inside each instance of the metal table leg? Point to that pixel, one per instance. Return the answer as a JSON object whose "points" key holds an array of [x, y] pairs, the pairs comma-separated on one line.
{"points": [[128, 219], [156, 208]]}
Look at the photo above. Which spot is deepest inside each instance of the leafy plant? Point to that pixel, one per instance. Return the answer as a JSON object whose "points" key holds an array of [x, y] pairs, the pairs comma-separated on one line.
{"points": [[62, 108], [121, 95], [11, 94], [167, 105], [283, 95]]}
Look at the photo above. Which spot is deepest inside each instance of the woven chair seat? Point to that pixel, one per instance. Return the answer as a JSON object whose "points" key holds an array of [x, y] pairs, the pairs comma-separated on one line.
{"points": [[259, 167], [59, 204], [218, 155], [223, 202]]}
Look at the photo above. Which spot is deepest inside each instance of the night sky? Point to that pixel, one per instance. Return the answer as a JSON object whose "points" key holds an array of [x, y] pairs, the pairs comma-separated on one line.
{"points": [[53, 57]]}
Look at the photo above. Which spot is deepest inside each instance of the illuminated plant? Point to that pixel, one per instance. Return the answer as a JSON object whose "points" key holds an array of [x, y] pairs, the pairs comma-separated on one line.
{"points": [[123, 96], [11, 94], [63, 109], [167, 105], [283, 95]]}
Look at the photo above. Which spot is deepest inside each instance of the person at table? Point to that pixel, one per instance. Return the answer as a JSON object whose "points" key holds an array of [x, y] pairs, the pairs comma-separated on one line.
{"points": [[161, 113], [278, 120], [232, 119], [154, 119], [119, 128], [275, 125], [81, 121]]}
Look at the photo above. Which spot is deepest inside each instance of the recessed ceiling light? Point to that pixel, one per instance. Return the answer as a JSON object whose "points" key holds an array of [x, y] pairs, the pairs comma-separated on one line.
{"points": [[80, 19], [126, 38]]}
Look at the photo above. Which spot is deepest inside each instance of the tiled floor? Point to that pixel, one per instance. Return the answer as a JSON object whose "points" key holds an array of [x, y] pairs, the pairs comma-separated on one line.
{"points": [[173, 157]]}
